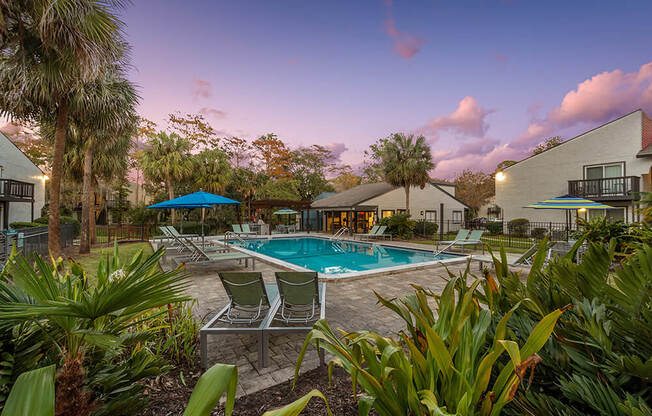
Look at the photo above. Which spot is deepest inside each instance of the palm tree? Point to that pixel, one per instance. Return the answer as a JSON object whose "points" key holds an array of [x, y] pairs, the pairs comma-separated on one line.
{"points": [[50, 48], [406, 162], [212, 170], [167, 159]]}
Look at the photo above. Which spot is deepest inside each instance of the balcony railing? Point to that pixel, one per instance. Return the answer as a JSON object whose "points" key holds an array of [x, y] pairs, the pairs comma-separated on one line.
{"points": [[18, 190], [614, 189]]}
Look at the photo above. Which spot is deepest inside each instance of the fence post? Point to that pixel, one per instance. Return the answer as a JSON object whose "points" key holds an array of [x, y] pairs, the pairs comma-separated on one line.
{"points": [[441, 222], [509, 236]]}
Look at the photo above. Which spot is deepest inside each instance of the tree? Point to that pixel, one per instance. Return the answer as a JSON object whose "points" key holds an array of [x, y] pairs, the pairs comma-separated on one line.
{"points": [[309, 168], [167, 159], [547, 144], [49, 49], [407, 162], [345, 180], [238, 150], [35, 147], [121, 204], [505, 164], [278, 189], [474, 188], [194, 128], [373, 162], [212, 171], [273, 156], [145, 129]]}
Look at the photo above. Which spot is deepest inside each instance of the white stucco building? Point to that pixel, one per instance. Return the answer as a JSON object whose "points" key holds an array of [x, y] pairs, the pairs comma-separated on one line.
{"points": [[610, 164], [22, 185], [361, 207]]}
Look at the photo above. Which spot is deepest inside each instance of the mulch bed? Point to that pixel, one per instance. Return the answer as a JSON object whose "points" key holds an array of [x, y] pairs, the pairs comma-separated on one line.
{"points": [[168, 396]]}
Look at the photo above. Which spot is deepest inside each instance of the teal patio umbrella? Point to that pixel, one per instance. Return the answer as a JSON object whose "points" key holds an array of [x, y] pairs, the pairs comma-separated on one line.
{"points": [[286, 211], [198, 199]]}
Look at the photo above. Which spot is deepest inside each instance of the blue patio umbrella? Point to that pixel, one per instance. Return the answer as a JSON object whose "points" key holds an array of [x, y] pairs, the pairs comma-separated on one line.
{"points": [[199, 199]]}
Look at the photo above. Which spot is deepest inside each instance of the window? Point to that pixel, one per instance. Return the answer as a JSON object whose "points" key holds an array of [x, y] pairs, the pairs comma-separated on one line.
{"points": [[431, 216], [605, 172], [401, 212], [386, 213], [457, 217], [611, 214]]}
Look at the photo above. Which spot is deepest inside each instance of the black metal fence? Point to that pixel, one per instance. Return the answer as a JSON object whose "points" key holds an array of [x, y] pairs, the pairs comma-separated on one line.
{"points": [[515, 234], [32, 240]]}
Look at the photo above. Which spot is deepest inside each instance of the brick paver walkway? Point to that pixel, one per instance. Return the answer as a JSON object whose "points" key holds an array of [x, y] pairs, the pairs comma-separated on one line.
{"points": [[351, 305]]}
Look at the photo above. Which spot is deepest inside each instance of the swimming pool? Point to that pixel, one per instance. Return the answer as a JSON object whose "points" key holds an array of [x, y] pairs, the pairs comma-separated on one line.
{"points": [[340, 257]]}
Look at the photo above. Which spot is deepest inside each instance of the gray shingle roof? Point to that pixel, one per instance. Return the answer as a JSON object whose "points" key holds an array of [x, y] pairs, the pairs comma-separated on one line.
{"points": [[353, 196], [646, 152]]}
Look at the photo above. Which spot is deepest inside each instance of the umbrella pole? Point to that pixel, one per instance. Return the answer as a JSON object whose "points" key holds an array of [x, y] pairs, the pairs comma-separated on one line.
{"points": [[202, 226]]}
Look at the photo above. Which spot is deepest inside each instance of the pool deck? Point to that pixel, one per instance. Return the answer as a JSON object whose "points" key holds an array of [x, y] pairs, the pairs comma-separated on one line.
{"points": [[351, 305]]}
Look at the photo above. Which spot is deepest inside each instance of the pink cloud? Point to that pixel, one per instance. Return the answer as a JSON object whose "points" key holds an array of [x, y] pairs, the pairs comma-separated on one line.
{"points": [[468, 119], [499, 57], [201, 88], [212, 112], [596, 100], [405, 45], [336, 149], [479, 146], [450, 167]]}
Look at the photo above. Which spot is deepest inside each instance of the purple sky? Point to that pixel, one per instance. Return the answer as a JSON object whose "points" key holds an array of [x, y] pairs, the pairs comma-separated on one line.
{"points": [[484, 82]]}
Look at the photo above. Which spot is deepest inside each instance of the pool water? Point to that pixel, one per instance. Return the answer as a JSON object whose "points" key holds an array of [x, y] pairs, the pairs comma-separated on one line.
{"points": [[336, 257]]}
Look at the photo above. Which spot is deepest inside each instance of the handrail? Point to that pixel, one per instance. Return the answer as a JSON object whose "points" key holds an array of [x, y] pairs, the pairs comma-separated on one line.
{"points": [[444, 249], [232, 234], [338, 235]]}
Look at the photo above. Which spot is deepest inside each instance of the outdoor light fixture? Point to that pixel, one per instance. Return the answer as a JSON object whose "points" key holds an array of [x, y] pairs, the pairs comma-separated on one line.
{"points": [[582, 210], [44, 178], [500, 176]]}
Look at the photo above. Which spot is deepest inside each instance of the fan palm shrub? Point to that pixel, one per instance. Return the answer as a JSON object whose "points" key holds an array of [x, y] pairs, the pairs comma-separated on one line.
{"points": [[88, 329], [600, 362]]}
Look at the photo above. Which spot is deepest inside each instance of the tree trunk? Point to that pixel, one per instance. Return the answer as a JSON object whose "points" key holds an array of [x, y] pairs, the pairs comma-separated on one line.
{"points": [[171, 196], [85, 242], [407, 199], [92, 217], [61, 127]]}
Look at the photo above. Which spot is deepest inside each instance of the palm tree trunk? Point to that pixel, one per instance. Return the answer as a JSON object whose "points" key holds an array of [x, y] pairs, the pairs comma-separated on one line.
{"points": [[61, 127], [171, 196], [92, 217], [407, 199], [84, 244]]}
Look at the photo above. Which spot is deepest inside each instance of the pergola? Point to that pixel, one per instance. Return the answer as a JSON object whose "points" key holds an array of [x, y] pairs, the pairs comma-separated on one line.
{"points": [[300, 206]]}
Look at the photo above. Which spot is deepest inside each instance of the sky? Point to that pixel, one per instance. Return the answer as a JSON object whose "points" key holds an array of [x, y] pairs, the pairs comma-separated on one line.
{"points": [[483, 81]]}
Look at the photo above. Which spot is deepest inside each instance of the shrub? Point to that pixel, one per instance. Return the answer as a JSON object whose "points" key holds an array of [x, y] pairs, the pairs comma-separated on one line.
{"points": [[494, 227], [399, 225], [539, 233], [24, 224], [443, 361], [426, 228], [62, 220], [603, 346], [519, 227]]}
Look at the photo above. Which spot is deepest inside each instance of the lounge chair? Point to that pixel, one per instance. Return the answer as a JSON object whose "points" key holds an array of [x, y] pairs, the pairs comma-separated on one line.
{"points": [[248, 300], [280, 229], [371, 232], [472, 240], [291, 229], [380, 233], [299, 292], [176, 233], [200, 255], [247, 231], [237, 229]]}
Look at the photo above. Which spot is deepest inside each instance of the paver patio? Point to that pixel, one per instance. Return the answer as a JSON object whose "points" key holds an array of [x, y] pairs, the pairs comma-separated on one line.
{"points": [[351, 305]]}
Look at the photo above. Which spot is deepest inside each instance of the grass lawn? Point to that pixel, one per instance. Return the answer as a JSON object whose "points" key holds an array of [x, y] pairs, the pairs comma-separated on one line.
{"points": [[125, 252]]}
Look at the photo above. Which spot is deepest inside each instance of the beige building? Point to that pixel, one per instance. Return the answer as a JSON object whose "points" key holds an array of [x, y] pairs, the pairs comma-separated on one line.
{"points": [[361, 207], [22, 185], [609, 164]]}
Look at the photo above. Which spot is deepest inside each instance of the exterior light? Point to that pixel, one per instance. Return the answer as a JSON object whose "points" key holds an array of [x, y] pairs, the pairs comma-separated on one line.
{"points": [[582, 210], [500, 176], [45, 178]]}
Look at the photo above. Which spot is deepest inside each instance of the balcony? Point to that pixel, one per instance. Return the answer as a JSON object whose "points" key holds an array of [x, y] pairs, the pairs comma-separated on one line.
{"points": [[622, 188], [12, 190]]}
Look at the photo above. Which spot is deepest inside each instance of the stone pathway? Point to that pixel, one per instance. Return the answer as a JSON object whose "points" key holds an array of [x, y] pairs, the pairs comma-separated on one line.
{"points": [[351, 305]]}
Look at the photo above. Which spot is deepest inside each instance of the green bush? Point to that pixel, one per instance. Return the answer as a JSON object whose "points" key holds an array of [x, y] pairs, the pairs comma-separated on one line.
{"points": [[426, 228], [24, 224], [494, 227], [602, 354], [539, 233], [399, 225], [519, 227], [62, 220]]}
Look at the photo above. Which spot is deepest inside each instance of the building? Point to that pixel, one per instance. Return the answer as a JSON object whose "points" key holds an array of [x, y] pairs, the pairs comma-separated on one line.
{"points": [[611, 164], [361, 207], [22, 185]]}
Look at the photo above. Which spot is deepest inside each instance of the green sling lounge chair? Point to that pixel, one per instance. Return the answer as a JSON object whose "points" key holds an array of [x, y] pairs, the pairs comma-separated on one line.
{"points": [[246, 230], [248, 300], [472, 240], [200, 255], [299, 292], [371, 232], [380, 233]]}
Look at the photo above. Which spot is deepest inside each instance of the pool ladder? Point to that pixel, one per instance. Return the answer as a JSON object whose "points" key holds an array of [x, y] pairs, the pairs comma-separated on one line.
{"points": [[339, 234], [435, 252], [230, 234]]}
